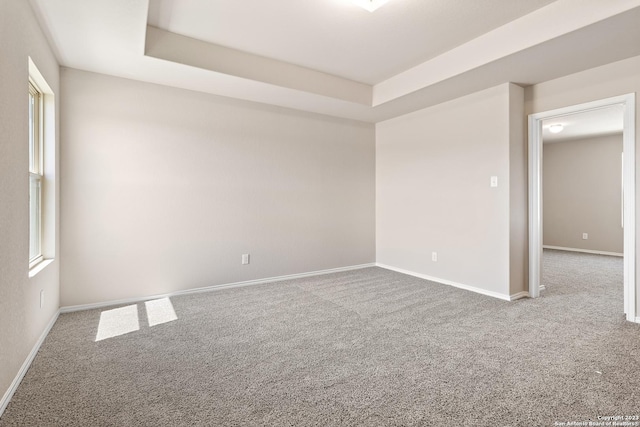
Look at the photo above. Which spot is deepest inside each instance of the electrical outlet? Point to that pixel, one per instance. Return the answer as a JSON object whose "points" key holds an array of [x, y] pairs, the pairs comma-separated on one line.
{"points": [[245, 259], [585, 236], [434, 256]]}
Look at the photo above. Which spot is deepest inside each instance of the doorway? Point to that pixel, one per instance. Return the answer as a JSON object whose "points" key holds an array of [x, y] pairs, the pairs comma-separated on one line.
{"points": [[627, 102]]}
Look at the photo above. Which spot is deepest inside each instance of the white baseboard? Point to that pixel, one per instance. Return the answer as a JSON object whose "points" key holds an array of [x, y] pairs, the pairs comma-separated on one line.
{"points": [[27, 363], [519, 295], [477, 290], [135, 300], [586, 251]]}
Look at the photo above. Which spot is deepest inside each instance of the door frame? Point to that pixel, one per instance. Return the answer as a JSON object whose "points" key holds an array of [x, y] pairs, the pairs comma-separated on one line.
{"points": [[628, 193]]}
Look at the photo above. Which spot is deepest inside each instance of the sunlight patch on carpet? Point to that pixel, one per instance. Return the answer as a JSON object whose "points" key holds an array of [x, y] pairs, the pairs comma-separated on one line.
{"points": [[118, 321], [160, 311]]}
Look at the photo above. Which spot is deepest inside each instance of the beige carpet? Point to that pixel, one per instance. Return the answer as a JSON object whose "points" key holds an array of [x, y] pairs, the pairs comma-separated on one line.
{"points": [[362, 348]]}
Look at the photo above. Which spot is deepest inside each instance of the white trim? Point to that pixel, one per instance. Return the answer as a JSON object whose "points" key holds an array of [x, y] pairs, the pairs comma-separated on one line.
{"points": [[629, 204], [39, 267], [629, 172], [637, 320], [134, 300], [454, 284], [586, 251], [34, 264], [27, 363], [535, 206], [519, 295]]}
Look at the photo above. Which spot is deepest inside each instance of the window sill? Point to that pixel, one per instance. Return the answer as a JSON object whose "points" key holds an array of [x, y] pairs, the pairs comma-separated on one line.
{"points": [[39, 267]]}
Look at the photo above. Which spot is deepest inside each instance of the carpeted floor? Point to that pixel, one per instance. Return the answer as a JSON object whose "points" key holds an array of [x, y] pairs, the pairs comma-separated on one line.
{"points": [[363, 348]]}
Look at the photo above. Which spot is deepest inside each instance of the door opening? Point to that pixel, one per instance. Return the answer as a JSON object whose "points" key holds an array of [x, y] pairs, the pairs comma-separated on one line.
{"points": [[628, 170]]}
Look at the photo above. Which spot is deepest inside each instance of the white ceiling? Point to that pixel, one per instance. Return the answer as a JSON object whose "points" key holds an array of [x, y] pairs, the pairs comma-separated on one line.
{"points": [[336, 36], [602, 121], [330, 56]]}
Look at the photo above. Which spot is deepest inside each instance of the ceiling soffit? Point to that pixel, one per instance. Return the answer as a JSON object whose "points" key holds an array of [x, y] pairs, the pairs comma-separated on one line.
{"points": [[196, 53], [548, 43], [505, 44], [336, 36]]}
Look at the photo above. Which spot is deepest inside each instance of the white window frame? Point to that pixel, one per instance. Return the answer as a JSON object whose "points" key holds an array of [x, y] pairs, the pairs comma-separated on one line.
{"points": [[36, 172]]}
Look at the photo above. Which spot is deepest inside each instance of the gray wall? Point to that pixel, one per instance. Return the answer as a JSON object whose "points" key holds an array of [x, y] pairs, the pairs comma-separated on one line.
{"points": [[21, 318], [614, 79], [163, 189], [582, 193], [433, 193]]}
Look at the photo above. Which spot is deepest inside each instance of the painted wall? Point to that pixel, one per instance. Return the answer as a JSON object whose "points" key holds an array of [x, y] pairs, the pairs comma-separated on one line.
{"points": [[22, 321], [582, 193], [613, 79], [164, 189], [433, 193]]}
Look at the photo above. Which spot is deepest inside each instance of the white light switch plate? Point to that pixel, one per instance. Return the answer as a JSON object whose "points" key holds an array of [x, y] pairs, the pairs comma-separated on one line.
{"points": [[494, 181]]}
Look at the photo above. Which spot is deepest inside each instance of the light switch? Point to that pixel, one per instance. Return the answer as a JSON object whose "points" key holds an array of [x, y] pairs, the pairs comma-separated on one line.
{"points": [[494, 181]]}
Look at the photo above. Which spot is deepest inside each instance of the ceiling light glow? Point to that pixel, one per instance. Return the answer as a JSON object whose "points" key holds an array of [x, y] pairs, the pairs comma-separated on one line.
{"points": [[557, 128], [370, 5]]}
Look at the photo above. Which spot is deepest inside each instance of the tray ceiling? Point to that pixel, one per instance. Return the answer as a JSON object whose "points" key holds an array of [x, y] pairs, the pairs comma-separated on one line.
{"points": [[332, 57]]}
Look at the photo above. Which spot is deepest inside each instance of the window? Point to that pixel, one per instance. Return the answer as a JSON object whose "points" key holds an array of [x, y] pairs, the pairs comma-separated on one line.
{"points": [[36, 174], [43, 200]]}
